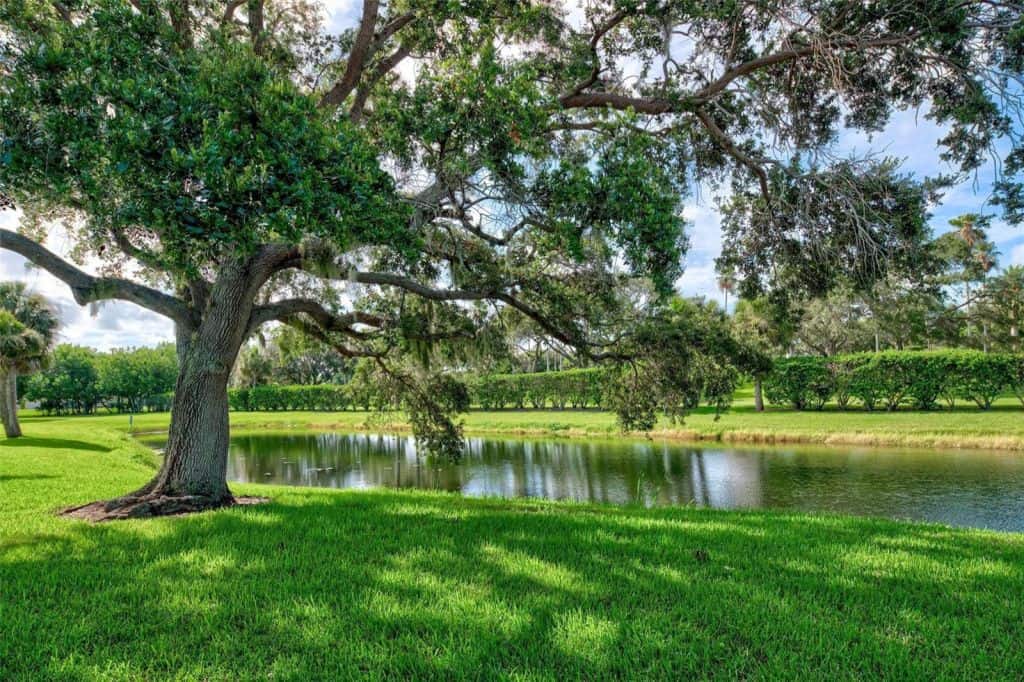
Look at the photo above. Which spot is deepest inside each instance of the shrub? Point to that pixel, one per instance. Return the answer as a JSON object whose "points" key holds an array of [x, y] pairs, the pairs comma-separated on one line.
{"points": [[1017, 377], [801, 382], [981, 377]]}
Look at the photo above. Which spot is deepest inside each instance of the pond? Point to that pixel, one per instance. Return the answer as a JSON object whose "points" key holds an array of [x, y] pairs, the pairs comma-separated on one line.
{"points": [[963, 488]]}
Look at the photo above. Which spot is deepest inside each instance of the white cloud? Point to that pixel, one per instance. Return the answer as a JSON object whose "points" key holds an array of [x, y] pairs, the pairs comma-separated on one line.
{"points": [[1017, 255], [341, 14], [700, 280]]}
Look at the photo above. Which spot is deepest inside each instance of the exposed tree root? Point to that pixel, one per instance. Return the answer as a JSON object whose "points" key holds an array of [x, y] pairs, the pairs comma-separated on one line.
{"points": [[154, 504]]}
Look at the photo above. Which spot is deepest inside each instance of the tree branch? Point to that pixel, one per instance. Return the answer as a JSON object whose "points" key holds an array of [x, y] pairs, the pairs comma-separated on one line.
{"points": [[86, 288], [312, 330], [734, 151], [229, 11], [654, 106], [356, 58], [143, 256], [382, 68], [286, 309]]}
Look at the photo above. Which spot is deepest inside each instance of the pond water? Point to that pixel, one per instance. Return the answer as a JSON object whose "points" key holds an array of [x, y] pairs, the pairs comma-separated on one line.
{"points": [[977, 489]]}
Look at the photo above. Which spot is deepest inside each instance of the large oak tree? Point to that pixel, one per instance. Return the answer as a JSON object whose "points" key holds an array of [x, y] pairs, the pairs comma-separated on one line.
{"points": [[229, 164]]}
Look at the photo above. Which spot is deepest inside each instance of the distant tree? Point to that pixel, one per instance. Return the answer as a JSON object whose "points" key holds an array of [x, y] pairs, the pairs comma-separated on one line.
{"points": [[70, 384], [902, 313], [968, 255], [726, 284], [129, 377], [834, 324], [304, 360], [1003, 307], [255, 366], [28, 326], [768, 326]]}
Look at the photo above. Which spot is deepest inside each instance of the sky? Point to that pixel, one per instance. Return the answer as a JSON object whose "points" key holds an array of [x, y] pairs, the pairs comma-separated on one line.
{"points": [[908, 137]]}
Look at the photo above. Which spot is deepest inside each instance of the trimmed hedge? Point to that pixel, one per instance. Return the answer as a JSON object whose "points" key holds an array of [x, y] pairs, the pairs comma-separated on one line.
{"points": [[322, 397], [894, 379], [577, 388]]}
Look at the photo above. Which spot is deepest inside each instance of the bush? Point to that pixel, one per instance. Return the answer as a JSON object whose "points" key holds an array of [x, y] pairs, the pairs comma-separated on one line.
{"points": [[1017, 378], [981, 377], [802, 383]]}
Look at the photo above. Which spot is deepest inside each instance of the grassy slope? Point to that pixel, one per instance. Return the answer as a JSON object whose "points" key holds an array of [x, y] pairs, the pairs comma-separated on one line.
{"points": [[999, 428], [334, 584]]}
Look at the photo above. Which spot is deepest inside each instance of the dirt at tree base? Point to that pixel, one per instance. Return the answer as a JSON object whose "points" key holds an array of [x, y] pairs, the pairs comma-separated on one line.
{"points": [[152, 506]]}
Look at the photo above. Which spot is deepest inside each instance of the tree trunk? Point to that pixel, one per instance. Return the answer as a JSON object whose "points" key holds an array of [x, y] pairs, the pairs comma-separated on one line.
{"points": [[758, 396], [9, 402], [193, 476]]}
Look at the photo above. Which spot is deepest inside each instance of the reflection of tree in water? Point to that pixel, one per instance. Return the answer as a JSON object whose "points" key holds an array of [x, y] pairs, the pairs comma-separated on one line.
{"points": [[985, 489]]}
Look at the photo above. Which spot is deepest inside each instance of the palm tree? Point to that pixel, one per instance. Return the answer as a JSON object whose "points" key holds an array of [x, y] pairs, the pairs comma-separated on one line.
{"points": [[27, 329], [727, 283]]}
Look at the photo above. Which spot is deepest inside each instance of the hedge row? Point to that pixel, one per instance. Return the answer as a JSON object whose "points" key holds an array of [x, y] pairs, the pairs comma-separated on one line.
{"points": [[889, 380], [323, 397], [577, 388], [572, 388]]}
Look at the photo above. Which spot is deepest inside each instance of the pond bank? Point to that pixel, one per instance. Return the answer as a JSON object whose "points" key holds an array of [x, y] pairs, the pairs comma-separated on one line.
{"points": [[1001, 428]]}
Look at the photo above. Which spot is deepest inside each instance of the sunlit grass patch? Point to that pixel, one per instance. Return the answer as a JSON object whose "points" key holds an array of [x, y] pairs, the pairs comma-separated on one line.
{"points": [[323, 584]]}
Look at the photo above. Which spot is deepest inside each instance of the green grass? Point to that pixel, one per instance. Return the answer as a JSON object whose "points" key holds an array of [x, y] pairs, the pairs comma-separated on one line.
{"points": [[1002, 427], [339, 584]]}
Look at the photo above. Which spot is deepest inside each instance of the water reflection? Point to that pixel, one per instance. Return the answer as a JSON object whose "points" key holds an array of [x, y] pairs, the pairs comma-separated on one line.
{"points": [[979, 489]]}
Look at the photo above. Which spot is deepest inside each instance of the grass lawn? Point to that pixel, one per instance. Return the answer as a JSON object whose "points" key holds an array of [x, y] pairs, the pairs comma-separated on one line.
{"points": [[1002, 427], [407, 585]]}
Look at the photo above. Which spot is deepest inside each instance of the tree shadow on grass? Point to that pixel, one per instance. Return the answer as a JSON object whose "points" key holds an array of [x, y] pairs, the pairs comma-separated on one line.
{"points": [[52, 443], [337, 585], [25, 477]]}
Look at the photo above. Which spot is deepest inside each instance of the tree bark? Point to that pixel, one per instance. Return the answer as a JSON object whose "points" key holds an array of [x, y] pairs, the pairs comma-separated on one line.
{"points": [[9, 402], [193, 476], [758, 397]]}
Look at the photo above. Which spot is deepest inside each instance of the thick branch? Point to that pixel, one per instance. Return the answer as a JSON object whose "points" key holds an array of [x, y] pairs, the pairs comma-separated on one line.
{"points": [[86, 288], [312, 330], [229, 11], [383, 67], [284, 310], [356, 59]]}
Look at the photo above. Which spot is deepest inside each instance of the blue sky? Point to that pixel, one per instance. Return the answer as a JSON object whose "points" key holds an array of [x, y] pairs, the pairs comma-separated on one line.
{"points": [[908, 137]]}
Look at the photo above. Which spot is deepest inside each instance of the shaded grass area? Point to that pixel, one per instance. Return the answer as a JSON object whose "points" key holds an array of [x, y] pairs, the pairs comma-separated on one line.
{"points": [[1002, 427], [411, 585]]}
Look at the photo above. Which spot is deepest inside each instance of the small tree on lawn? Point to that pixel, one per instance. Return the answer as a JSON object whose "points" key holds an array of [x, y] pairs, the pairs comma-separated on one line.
{"points": [[229, 164], [27, 329]]}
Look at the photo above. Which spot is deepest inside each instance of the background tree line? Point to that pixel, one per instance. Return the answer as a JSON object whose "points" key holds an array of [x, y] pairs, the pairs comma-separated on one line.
{"points": [[80, 380], [958, 298]]}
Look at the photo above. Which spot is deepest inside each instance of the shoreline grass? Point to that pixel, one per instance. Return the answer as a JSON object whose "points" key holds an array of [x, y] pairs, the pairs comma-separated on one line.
{"points": [[322, 584]]}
